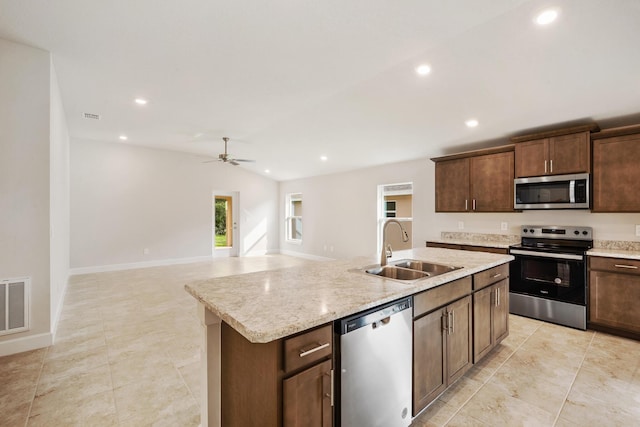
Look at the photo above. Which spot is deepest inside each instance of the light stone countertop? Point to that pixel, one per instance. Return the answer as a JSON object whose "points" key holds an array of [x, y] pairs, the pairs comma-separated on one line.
{"points": [[487, 244], [614, 253], [269, 305]]}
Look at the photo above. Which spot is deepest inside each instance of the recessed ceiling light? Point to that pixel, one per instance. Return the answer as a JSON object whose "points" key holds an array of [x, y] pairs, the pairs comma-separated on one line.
{"points": [[546, 17], [324, 158], [471, 123], [423, 69], [123, 137], [267, 171], [141, 101]]}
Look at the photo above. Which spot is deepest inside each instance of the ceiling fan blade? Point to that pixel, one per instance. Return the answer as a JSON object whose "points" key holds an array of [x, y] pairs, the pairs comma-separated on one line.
{"points": [[244, 160], [233, 162]]}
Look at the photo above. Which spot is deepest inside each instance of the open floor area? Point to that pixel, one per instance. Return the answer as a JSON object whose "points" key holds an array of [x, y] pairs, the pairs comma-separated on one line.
{"points": [[127, 354]]}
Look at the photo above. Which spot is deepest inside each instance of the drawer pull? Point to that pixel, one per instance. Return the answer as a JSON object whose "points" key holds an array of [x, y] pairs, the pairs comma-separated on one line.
{"points": [[319, 347], [632, 267], [496, 275]]}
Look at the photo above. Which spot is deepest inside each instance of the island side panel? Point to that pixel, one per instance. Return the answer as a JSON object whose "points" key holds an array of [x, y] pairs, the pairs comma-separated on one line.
{"points": [[210, 362]]}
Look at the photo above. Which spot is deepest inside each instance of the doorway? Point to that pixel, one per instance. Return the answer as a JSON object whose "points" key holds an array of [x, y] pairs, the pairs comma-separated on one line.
{"points": [[225, 224], [396, 201]]}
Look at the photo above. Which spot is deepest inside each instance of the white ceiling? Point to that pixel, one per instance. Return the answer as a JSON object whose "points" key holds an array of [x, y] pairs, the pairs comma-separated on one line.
{"points": [[291, 80]]}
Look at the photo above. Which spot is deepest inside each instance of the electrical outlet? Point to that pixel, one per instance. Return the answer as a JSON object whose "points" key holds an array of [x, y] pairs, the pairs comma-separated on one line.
{"points": [[460, 225], [504, 226], [145, 251], [638, 230]]}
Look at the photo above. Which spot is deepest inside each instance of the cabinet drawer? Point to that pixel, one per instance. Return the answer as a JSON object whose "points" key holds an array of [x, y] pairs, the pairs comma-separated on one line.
{"points": [[492, 275], [308, 347], [442, 295], [615, 265]]}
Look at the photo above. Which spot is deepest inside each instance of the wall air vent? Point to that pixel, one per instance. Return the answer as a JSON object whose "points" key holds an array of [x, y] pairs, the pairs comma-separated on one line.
{"points": [[91, 116], [14, 305]]}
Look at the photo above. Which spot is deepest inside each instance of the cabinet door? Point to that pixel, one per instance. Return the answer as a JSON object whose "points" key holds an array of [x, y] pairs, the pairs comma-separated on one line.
{"points": [[614, 299], [307, 397], [569, 154], [531, 158], [500, 317], [428, 359], [458, 339], [492, 182], [616, 174], [482, 330], [452, 186]]}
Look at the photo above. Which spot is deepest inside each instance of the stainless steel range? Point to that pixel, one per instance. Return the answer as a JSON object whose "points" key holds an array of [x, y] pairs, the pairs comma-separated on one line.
{"points": [[549, 275]]}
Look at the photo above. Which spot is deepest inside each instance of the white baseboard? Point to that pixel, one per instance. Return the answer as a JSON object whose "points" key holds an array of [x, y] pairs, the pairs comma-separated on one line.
{"points": [[306, 256], [134, 265], [31, 342]]}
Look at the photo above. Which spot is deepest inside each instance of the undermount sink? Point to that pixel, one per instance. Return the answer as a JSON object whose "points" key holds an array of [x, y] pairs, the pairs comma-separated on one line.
{"points": [[409, 270], [393, 272], [427, 267]]}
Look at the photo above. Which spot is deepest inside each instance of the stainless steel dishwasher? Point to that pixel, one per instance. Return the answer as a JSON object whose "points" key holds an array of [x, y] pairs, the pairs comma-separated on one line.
{"points": [[374, 369]]}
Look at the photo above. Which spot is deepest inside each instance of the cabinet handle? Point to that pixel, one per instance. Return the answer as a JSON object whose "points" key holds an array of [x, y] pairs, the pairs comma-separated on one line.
{"points": [[466, 204], [632, 267], [330, 394], [545, 166], [474, 204], [319, 347], [551, 166], [445, 323], [496, 275], [497, 297], [453, 322]]}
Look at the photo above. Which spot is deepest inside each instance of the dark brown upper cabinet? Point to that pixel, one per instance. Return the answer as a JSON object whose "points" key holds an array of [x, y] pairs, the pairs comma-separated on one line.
{"points": [[559, 152], [616, 170], [479, 181]]}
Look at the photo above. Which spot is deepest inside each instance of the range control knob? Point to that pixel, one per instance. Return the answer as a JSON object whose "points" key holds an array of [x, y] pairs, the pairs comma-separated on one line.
{"points": [[585, 232], [576, 232], [524, 230]]}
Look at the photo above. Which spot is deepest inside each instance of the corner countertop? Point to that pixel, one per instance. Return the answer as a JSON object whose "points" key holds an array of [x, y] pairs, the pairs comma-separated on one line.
{"points": [[269, 305]]}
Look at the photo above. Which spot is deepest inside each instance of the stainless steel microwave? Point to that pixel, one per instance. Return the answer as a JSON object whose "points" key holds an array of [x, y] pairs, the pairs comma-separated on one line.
{"points": [[552, 192]]}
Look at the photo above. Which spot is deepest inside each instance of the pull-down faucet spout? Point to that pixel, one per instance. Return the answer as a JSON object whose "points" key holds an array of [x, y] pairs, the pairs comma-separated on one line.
{"points": [[386, 249]]}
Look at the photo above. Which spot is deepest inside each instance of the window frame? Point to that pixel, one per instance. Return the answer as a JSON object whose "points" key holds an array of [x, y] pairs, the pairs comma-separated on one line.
{"points": [[290, 218]]}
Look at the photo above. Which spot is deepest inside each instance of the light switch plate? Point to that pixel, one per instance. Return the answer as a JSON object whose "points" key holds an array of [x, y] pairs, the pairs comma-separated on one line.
{"points": [[460, 225], [638, 230], [504, 226]]}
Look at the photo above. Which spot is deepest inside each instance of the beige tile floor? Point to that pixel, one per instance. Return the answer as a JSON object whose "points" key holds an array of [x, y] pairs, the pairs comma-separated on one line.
{"points": [[127, 354]]}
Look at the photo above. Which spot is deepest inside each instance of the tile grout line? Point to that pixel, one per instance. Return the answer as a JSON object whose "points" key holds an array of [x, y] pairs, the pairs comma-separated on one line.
{"points": [[584, 356], [490, 376]]}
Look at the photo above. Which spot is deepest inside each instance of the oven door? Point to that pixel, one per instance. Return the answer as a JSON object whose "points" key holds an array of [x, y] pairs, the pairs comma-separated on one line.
{"points": [[557, 276]]}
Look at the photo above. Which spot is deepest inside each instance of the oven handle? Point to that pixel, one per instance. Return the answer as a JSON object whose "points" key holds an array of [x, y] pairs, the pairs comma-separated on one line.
{"points": [[546, 254]]}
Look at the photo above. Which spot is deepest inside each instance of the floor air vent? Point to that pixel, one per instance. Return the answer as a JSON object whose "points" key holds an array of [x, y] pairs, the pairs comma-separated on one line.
{"points": [[14, 305]]}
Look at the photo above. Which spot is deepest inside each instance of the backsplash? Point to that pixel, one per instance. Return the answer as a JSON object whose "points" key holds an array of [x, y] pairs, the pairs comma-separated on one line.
{"points": [[507, 239], [621, 245]]}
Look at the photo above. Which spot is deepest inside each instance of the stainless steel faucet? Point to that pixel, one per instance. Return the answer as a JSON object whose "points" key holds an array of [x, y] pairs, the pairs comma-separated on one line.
{"points": [[386, 249]]}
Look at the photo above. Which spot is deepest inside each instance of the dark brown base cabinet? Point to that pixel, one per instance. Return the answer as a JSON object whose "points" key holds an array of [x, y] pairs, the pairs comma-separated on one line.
{"points": [[280, 383], [614, 295], [442, 340], [490, 318]]}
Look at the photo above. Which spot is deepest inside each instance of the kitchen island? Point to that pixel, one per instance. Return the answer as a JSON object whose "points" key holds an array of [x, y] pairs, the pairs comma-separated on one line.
{"points": [[268, 306]]}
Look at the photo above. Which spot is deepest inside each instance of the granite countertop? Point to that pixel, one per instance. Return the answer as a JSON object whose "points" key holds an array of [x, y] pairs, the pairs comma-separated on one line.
{"points": [[466, 242], [501, 241], [614, 253], [269, 305]]}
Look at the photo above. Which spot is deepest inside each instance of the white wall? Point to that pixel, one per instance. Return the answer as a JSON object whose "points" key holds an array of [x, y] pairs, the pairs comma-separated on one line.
{"points": [[126, 198], [340, 211], [24, 183], [59, 200]]}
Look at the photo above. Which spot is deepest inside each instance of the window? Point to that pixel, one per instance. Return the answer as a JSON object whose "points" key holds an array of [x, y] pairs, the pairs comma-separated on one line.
{"points": [[390, 208], [294, 217]]}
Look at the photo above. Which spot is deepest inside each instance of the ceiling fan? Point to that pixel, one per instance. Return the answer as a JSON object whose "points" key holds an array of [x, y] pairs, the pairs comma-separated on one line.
{"points": [[226, 158]]}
